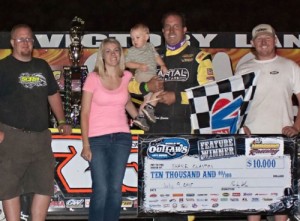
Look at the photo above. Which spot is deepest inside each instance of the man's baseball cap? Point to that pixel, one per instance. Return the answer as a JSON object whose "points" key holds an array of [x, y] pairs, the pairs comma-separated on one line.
{"points": [[262, 29]]}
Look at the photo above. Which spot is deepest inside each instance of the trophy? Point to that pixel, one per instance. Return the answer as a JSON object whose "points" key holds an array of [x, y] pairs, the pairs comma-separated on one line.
{"points": [[76, 33], [74, 73]]}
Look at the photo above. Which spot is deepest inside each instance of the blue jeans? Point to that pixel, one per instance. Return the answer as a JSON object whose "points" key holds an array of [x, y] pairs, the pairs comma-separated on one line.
{"points": [[109, 158]]}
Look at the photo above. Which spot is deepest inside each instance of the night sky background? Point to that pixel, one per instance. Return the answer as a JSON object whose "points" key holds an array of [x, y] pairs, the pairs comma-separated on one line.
{"points": [[120, 15]]}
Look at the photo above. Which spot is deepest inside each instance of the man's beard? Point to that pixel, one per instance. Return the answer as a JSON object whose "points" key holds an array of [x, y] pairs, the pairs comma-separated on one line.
{"points": [[26, 53]]}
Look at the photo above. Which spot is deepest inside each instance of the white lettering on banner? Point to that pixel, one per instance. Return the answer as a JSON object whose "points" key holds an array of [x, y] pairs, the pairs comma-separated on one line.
{"points": [[88, 40], [155, 39], [53, 42], [291, 40], [92, 40], [204, 41], [241, 41], [74, 173], [121, 38]]}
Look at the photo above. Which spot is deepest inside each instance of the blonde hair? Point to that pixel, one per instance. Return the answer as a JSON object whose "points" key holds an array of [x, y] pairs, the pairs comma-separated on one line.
{"points": [[100, 64], [142, 27]]}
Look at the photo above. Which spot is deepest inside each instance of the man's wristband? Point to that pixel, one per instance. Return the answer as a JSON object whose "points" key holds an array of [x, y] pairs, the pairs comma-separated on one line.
{"points": [[146, 87], [60, 122]]}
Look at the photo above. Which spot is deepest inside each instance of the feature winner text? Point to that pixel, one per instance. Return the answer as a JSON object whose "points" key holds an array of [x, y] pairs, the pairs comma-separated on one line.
{"points": [[216, 148]]}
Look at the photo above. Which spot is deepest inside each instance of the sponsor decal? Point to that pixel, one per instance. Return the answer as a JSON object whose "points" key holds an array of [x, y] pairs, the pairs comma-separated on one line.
{"points": [[135, 204], [153, 201], [261, 194], [225, 194], [264, 146], [57, 204], [153, 195], [75, 203], [164, 195], [190, 194], [168, 148], [184, 206], [127, 204], [225, 115], [177, 74], [177, 195], [87, 203], [194, 205], [215, 205], [187, 58], [32, 80], [202, 194]]}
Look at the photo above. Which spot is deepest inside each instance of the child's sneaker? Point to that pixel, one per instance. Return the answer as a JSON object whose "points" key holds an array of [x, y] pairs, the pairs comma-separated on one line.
{"points": [[148, 110], [141, 122]]}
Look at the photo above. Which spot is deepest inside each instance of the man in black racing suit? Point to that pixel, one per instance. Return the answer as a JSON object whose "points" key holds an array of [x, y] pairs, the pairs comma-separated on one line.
{"points": [[188, 67]]}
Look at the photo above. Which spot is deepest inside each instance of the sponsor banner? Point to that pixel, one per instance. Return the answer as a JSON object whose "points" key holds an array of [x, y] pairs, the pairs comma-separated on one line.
{"points": [[228, 49], [203, 39], [215, 174]]}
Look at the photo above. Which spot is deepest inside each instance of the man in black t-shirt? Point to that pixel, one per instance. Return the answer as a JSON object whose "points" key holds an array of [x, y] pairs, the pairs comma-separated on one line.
{"points": [[27, 86]]}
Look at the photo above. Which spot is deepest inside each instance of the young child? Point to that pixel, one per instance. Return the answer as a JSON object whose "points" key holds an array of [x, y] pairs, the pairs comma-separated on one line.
{"points": [[143, 57]]}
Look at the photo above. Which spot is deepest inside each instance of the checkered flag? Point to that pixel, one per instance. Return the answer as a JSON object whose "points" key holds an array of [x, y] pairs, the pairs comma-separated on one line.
{"points": [[221, 107]]}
